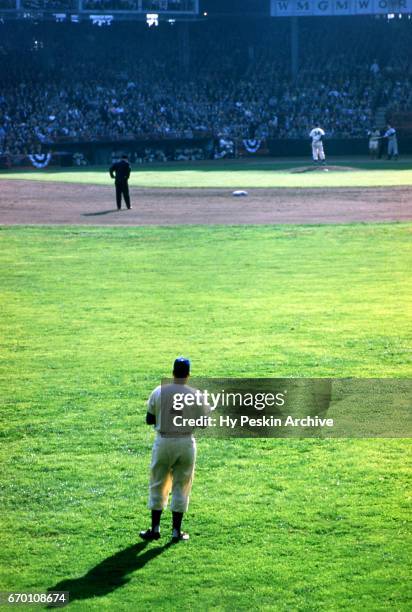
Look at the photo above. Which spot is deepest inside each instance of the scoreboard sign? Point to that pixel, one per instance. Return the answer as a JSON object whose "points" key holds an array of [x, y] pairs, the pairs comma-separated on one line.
{"points": [[120, 7], [288, 8]]}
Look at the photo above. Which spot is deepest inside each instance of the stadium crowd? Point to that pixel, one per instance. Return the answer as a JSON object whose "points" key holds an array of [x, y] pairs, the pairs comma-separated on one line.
{"points": [[129, 81]]}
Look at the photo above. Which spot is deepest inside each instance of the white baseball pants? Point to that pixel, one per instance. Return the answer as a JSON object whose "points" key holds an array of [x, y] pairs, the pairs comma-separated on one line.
{"points": [[392, 147], [172, 470], [317, 151]]}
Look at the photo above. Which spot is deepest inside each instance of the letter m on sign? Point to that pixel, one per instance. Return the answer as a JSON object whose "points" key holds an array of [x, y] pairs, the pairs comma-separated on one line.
{"points": [[342, 7]]}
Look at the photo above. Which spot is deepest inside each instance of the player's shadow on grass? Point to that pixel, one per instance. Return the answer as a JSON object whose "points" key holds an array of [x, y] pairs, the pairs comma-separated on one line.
{"points": [[100, 212], [110, 574]]}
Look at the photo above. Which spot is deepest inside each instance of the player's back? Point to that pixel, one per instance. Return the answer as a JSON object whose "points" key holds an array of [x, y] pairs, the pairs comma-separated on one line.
{"points": [[168, 401], [121, 169], [316, 134]]}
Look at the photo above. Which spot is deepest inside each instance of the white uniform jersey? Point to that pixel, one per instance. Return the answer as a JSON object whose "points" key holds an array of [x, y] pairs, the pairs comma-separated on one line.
{"points": [[162, 402], [316, 135], [374, 137], [390, 134]]}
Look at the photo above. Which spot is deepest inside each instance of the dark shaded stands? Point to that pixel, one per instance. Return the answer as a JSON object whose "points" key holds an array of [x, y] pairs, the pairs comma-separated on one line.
{"points": [[78, 83]]}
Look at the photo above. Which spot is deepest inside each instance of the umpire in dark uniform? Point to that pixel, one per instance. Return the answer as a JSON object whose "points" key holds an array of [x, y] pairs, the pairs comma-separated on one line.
{"points": [[120, 172]]}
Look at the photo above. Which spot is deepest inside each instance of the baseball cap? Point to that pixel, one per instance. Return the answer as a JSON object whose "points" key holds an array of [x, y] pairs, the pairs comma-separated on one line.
{"points": [[181, 367]]}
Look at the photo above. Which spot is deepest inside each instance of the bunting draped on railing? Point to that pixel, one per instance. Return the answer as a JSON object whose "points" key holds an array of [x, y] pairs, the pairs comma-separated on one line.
{"points": [[40, 160], [252, 145]]}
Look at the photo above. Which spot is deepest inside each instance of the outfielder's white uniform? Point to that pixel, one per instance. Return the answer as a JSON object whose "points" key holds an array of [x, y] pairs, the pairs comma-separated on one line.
{"points": [[174, 450], [390, 134], [317, 145]]}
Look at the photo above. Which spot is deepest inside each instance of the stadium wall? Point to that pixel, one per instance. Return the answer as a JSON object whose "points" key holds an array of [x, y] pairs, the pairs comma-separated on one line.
{"points": [[344, 147], [102, 152], [65, 154], [99, 153]]}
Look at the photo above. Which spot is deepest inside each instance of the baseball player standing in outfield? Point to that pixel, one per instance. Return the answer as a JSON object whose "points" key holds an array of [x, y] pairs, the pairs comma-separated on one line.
{"points": [[390, 134], [120, 172], [318, 153], [174, 452]]}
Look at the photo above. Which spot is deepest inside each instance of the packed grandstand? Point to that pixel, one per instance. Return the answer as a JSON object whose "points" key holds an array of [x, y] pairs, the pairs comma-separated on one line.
{"points": [[79, 83]]}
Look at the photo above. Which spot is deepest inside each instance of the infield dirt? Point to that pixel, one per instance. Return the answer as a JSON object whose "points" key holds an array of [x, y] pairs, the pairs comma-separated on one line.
{"points": [[33, 202]]}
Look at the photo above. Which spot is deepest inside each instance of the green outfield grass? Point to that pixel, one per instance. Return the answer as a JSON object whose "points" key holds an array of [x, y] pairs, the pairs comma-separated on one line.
{"points": [[237, 174], [92, 319]]}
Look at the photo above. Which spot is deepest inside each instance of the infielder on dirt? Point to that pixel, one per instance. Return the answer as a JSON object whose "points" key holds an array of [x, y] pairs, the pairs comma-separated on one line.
{"points": [[318, 153], [120, 172], [174, 452]]}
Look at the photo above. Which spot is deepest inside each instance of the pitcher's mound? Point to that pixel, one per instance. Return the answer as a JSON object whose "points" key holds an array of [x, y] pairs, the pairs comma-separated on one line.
{"points": [[323, 169]]}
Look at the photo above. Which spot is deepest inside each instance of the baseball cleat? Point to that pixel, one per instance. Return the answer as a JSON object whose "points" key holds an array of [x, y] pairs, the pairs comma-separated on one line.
{"points": [[180, 537], [149, 535]]}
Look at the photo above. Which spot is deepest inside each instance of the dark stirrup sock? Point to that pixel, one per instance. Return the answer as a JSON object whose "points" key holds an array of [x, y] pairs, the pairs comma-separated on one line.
{"points": [[177, 521], [156, 514]]}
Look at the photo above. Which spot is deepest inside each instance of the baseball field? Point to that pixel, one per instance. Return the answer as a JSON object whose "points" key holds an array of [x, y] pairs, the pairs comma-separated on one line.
{"points": [[307, 276]]}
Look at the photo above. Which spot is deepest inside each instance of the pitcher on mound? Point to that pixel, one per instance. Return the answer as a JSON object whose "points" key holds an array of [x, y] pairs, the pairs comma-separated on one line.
{"points": [[318, 154]]}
